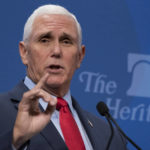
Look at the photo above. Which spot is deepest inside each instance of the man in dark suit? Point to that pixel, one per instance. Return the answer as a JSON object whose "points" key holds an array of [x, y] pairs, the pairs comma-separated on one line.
{"points": [[51, 50]]}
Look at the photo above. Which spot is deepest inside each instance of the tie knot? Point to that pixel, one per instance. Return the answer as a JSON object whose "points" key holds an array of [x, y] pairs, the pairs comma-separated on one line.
{"points": [[61, 103]]}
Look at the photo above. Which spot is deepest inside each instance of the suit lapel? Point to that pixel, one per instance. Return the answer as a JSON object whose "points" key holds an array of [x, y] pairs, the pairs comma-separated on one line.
{"points": [[17, 92], [89, 127], [53, 137]]}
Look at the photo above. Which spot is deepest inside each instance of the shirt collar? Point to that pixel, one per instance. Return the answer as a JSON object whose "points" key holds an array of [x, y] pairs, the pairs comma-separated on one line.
{"points": [[30, 84]]}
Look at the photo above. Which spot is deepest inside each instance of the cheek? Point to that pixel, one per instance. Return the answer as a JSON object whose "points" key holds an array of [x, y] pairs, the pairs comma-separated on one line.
{"points": [[35, 60], [72, 63]]}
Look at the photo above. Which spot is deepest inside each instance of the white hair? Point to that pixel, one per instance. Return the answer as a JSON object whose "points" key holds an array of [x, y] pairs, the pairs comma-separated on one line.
{"points": [[49, 9]]}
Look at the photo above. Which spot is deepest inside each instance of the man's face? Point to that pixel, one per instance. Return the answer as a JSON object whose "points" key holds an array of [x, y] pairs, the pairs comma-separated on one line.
{"points": [[52, 48]]}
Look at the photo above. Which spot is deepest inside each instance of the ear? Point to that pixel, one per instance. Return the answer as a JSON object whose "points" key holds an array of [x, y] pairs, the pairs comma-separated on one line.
{"points": [[81, 56], [23, 52]]}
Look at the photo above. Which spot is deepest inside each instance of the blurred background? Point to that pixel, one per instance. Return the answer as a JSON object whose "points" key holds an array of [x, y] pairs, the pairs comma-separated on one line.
{"points": [[116, 68]]}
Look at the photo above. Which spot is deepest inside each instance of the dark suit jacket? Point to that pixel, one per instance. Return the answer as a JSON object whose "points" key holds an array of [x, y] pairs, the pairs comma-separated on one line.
{"points": [[49, 139]]}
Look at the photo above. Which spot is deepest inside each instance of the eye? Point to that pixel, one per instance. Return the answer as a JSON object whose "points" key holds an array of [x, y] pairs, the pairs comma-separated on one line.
{"points": [[67, 41], [44, 40]]}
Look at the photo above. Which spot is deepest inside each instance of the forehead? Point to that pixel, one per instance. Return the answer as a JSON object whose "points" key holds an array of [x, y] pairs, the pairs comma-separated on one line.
{"points": [[54, 22]]}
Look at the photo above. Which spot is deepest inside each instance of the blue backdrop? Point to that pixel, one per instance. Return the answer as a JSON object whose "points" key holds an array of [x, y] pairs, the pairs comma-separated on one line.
{"points": [[116, 68]]}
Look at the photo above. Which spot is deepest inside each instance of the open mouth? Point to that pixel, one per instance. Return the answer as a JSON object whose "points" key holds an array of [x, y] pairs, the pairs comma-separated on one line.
{"points": [[55, 67]]}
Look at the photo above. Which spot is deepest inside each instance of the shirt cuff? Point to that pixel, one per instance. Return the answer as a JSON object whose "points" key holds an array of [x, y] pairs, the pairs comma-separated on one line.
{"points": [[13, 147], [16, 149]]}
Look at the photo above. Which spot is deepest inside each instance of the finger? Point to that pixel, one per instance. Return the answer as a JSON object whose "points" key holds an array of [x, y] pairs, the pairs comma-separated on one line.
{"points": [[30, 102], [34, 106], [42, 81], [33, 103], [34, 109], [45, 96], [30, 95], [33, 95], [51, 106]]}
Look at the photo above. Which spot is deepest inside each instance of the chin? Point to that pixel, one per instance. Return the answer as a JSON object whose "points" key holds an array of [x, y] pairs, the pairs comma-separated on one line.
{"points": [[54, 83]]}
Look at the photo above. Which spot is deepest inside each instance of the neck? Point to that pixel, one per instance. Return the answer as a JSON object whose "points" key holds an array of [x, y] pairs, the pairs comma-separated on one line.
{"points": [[56, 92]]}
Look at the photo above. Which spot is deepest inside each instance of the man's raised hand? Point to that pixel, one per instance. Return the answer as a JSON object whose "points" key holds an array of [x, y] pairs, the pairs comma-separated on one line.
{"points": [[30, 119]]}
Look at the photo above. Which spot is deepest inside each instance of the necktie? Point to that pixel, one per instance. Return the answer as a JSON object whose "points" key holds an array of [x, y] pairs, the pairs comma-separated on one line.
{"points": [[69, 127]]}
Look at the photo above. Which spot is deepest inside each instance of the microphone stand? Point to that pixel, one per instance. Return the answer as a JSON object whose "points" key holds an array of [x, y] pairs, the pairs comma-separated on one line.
{"points": [[131, 141], [104, 111], [112, 132]]}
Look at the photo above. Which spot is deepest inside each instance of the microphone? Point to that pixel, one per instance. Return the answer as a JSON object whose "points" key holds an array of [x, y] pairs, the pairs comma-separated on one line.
{"points": [[104, 111]]}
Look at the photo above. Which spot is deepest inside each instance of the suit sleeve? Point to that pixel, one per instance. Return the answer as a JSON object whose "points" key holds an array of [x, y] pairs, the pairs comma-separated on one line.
{"points": [[6, 141]]}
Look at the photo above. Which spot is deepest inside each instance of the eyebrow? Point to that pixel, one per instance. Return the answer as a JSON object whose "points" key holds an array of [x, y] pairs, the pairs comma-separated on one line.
{"points": [[46, 35], [65, 35]]}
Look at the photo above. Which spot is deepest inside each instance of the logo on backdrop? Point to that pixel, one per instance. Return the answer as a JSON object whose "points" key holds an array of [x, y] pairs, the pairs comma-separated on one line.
{"points": [[139, 67]]}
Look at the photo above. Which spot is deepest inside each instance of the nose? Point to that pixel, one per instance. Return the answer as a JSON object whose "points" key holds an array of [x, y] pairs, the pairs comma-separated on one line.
{"points": [[56, 50]]}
